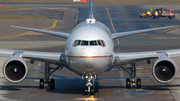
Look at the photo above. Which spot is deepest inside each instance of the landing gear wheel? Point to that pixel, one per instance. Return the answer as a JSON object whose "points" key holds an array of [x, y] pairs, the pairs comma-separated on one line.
{"points": [[138, 83], [86, 90], [170, 17], [92, 90], [41, 84], [128, 83], [52, 84]]}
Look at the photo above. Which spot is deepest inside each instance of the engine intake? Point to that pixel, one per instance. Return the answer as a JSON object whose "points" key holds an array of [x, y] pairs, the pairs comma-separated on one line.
{"points": [[15, 70], [164, 70]]}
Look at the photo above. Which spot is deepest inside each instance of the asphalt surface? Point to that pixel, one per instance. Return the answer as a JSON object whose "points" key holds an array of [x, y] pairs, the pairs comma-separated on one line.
{"points": [[110, 86]]}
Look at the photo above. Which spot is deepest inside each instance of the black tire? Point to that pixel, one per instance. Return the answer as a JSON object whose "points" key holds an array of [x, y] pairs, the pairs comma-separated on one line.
{"points": [[128, 83], [170, 17], [144, 17], [138, 83], [92, 91], [52, 84], [41, 84], [86, 90]]}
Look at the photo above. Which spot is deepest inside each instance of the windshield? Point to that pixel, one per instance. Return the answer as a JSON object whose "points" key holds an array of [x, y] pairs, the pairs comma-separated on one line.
{"points": [[77, 42], [101, 43], [91, 43], [84, 42]]}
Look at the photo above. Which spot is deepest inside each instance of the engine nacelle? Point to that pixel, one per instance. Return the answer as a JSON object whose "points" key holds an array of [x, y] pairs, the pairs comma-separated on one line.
{"points": [[164, 70], [15, 70]]}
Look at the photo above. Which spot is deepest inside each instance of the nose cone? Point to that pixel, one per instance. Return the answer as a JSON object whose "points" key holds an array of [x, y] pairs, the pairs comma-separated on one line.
{"points": [[89, 51]]}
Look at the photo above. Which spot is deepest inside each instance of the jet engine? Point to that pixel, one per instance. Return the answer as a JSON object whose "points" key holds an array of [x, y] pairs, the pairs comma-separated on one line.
{"points": [[164, 70], [15, 69]]}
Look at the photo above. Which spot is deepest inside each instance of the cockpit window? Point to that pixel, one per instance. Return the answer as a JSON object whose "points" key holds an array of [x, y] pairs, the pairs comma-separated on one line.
{"points": [[84, 43], [101, 43], [77, 42], [93, 43]]}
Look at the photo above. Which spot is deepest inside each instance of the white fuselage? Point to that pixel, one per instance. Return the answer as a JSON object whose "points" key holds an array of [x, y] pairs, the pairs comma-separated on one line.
{"points": [[89, 48]]}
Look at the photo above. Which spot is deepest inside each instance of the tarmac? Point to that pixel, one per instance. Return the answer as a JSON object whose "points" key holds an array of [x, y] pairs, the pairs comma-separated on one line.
{"points": [[110, 86]]}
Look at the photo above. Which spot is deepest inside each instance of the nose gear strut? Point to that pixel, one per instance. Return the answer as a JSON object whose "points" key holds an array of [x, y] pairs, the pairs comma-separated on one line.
{"points": [[90, 85]]}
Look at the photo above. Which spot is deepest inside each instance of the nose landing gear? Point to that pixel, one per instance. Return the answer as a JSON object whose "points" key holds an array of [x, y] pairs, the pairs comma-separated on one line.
{"points": [[90, 85]]}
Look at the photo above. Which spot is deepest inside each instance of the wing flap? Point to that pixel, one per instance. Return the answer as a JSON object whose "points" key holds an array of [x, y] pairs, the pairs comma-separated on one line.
{"points": [[6, 53], [50, 57], [173, 53], [55, 58], [126, 58]]}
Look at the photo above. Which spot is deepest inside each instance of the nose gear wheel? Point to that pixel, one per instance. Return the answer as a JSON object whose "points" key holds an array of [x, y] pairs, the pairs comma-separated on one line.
{"points": [[90, 85]]}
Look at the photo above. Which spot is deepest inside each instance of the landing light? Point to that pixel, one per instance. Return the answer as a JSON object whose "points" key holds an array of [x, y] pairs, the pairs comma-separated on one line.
{"points": [[90, 21]]}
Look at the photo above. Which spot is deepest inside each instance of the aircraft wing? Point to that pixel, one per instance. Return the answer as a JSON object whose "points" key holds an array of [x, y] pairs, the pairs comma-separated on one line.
{"points": [[50, 57], [59, 34], [131, 57], [123, 34]]}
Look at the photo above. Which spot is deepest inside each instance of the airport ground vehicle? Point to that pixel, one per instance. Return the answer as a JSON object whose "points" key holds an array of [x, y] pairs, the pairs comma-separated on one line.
{"points": [[162, 13]]}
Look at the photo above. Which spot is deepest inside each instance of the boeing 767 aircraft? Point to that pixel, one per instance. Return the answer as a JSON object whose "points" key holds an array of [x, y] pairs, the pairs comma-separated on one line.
{"points": [[89, 53]]}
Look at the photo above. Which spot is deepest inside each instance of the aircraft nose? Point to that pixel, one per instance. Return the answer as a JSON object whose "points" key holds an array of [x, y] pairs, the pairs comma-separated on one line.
{"points": [[89, 51]]}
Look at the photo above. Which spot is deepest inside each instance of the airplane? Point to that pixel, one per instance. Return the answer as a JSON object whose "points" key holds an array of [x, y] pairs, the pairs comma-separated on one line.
{"points": [[89, 52]]}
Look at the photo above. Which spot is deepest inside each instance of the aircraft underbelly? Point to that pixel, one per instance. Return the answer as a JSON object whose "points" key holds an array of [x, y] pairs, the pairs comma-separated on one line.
{"points": [[96, 65]]}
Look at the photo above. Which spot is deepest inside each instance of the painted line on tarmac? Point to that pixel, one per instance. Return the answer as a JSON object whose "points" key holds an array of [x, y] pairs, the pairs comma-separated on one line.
{"points": [[110, 19], [79, 99], [112, 23], [130, 91], [53, 26], [90, 98]]}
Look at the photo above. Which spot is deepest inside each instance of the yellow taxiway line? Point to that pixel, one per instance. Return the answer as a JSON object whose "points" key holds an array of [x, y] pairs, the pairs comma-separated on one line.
{"points": [[111, 23], [110, 19], [53, 26], [90, 98]]}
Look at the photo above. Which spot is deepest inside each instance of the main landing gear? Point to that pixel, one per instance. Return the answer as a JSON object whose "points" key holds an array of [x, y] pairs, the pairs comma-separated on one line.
{"points": [[133, 82], [90, 85], [48, 82]]}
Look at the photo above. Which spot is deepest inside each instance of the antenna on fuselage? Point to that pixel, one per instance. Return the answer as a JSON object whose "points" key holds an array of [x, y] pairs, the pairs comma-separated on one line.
{"points": [[91, 19]]}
